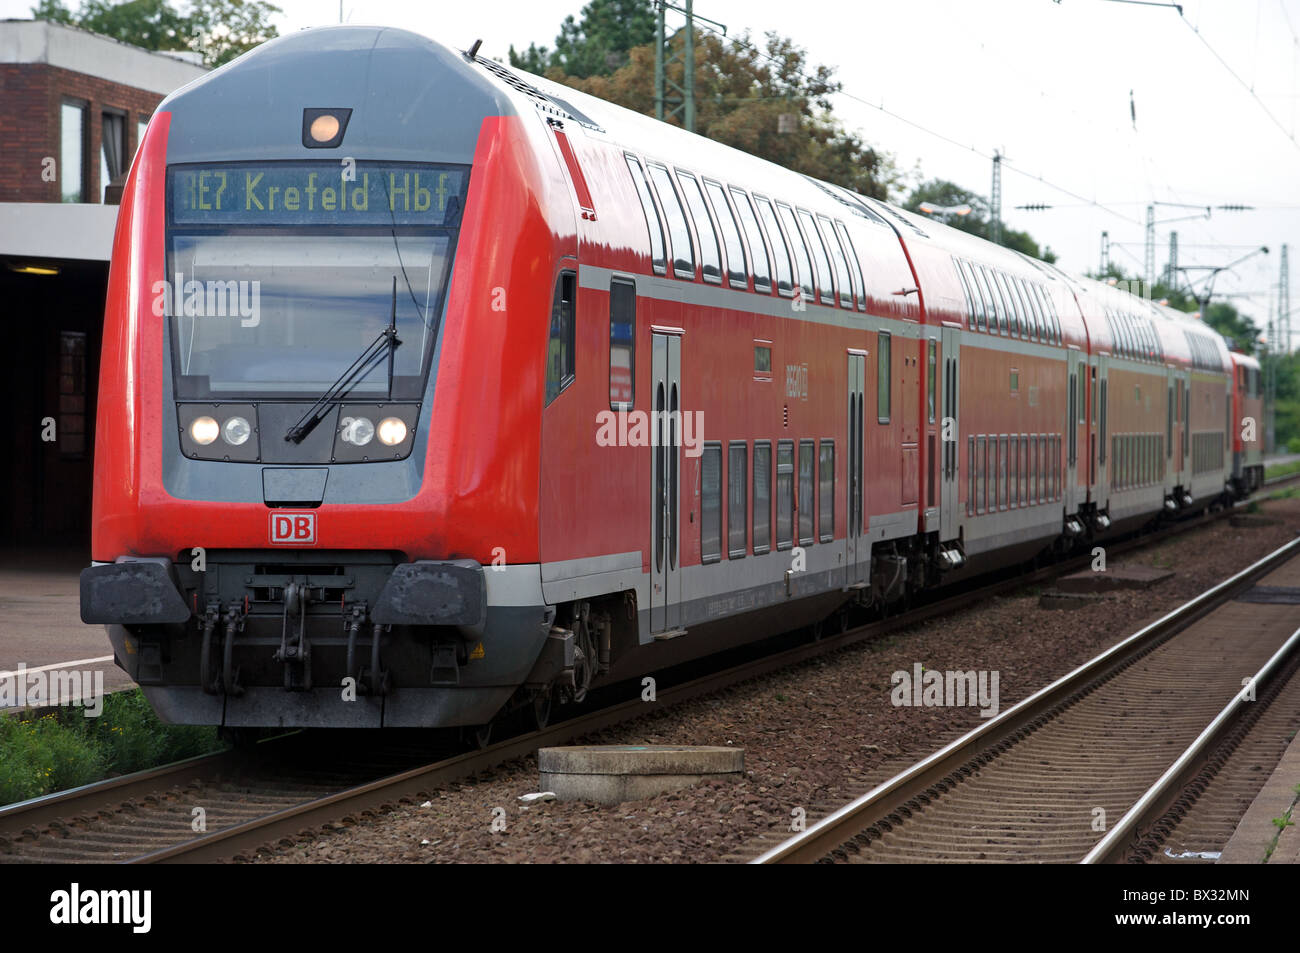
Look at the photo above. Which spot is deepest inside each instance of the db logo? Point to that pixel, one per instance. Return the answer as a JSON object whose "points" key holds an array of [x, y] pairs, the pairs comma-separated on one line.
{"points": [[293, 528]]}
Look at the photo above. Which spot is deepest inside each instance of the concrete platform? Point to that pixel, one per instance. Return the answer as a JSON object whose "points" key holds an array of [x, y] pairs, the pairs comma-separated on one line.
{"points": [[1115, 577], [612, 774], [40, 617], [1256, 832]]}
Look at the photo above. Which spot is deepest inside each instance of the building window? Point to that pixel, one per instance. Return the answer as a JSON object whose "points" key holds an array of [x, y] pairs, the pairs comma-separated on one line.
{"points": [[762, 497], [72, 158], [622, 344], [112, 150], [711, 504], [72, 394], [737, 488], [560, 362]]}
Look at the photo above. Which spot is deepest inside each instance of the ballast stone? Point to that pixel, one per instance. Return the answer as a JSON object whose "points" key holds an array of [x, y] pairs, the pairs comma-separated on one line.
{"points": [[612, 774]]}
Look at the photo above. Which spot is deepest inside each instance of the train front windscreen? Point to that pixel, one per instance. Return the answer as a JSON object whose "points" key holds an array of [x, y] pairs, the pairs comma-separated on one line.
{"points": [[281, 274]]}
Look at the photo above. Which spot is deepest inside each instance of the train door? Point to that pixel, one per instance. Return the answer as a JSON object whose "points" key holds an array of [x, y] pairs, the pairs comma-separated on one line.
{"points": [[949, 437], [666, 401], [909, 392], [1075, 448], [1168, 462], [1103, 430], [1186, 468], [857, 555]]}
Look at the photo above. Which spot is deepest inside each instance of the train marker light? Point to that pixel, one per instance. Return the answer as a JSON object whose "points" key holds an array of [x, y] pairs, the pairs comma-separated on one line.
{"points": [[391, 431], [204, 430], [236, 431], [324, 128]]}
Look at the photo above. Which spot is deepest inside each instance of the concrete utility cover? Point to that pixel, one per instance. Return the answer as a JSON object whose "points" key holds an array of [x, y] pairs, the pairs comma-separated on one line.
{"points": [[1117, 577], [612, 774]]}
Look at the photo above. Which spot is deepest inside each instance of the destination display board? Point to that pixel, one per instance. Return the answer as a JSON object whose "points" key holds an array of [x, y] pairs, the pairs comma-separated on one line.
{"points": [[317, 193]]}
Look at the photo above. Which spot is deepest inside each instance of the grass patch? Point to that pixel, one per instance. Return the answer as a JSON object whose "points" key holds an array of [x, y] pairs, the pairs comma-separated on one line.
{"points": [[63, 749], [1289, 493], [1282, 469]]}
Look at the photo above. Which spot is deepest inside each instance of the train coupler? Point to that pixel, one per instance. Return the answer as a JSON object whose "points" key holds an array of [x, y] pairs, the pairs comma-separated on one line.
{"points": [[295, 653]]}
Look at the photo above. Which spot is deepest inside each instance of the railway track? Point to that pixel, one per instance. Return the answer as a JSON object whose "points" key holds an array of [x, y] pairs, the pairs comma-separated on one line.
{"points": [[281, 791], [1105, 763]]}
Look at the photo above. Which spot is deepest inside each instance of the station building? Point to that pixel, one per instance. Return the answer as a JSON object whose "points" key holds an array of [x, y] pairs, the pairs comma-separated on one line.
{"points": [[73, 106]]}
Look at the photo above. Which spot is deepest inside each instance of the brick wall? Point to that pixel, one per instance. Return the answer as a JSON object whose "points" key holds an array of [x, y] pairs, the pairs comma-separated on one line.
{"points": [[31, 95]]}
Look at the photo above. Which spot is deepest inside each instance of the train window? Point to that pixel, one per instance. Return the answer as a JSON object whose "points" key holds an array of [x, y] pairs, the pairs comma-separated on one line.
{"points": [[1056, 466], [970, 475], [1070, 415], [737, 268], [978, 296], [803, 264], [683, 248], [993, 474], [821, 261], [981, 469], [1040, 303], [999, 302], [807, 491], [1009, 300], [826, 491], [711, 503], [842, 280], [883, 382], [784, 494], [1169, 422], [737, 490], [1004, 469], [1033, 469], [965, 290], [1028, 328], [1024, 470], [780, 250], [762, 497], [560, 361], [710, 254], [1046, 488], [1014, 475], [656, 228], [1082, 403], [1031, 305], [990, 301], [1101, 444], [758, 260], [622, 343], [855, 269], [931, 377]]}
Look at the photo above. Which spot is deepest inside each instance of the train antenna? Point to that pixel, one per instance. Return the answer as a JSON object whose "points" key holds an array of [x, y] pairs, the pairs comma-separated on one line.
{"points": [[473, 50]]}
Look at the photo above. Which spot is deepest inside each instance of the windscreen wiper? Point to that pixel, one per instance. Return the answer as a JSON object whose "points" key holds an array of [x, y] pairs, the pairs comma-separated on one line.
{"points": [[385, 344]]}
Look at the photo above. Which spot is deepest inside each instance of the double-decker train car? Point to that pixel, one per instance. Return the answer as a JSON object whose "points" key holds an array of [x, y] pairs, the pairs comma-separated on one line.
{"points": [[432, 390]]}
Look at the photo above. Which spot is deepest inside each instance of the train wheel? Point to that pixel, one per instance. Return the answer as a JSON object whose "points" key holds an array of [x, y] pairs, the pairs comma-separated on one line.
{"points": [[538, 712]]}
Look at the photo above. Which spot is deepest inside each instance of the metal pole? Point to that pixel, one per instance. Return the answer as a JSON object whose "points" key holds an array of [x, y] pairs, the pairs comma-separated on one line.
{"points": [[995, 200], [1105, 253], [688, 91], [659, 60], [1150, 263]]}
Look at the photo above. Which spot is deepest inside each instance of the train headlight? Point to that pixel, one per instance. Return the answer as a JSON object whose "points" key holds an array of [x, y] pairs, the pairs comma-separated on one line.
{"points": [[236, 431], [357, 431], [391, 431], [204, 430]]}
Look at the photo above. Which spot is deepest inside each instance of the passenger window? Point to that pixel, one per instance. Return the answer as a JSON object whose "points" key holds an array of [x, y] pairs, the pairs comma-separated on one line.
{"points": [[780, 251], [820, 260], [1013, 312], [855, 269], [990, 303], [762, 497], [807, 489], [652, 222], [826, 491], [711, 503], [802, 261], [966, 293], [981, 465], [737, 488], [560, 361], [784, 494], [757, 243], [683, 249], [980, 323], [710, 255], [737, 270], [842, 279], [882, 377], [622, 343]]}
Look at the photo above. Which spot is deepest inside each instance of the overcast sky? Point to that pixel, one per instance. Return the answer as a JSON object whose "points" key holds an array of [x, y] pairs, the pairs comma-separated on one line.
{"points": [[1045, 82]]}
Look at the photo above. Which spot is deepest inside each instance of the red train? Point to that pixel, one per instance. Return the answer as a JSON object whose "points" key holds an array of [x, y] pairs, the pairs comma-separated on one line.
{"points": [[432, 390]]}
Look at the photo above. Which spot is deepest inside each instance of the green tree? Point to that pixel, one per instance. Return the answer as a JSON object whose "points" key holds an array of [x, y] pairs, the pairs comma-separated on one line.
{"points": [[977, 221], [741, 91], [598, 44], [220, 29], [231, 28]]}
